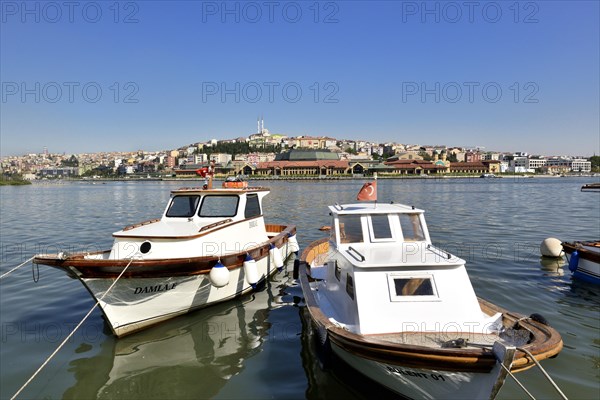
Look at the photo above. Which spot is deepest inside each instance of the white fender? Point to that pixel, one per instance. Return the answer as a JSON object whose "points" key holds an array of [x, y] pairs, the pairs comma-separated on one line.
{"points": [[219, 275], [276, 258], [294, 247], [251, 270]]}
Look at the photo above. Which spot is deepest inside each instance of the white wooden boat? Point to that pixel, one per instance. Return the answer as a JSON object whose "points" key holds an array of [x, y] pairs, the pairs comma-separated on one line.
{"points": [[404, 313], [210, 245], [584, 259]]}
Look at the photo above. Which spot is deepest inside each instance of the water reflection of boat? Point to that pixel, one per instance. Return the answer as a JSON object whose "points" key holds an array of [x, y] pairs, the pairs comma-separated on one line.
{"points": [[191, 356]]}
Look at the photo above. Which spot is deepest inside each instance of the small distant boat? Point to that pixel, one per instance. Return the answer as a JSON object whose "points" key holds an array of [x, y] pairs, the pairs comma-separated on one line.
{"points": [[210, 245], [591, 187], [402, 312], [488, 176], [584, 259]]}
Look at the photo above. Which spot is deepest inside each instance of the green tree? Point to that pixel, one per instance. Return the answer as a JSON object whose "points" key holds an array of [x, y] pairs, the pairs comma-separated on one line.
{"points": [[595, 160], [425, 156], [71, 162]]}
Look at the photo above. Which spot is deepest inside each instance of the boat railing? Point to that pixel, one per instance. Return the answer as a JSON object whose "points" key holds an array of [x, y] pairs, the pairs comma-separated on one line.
{"points": [[150, 221], [218, 223], [357, 255], [439, 252]]}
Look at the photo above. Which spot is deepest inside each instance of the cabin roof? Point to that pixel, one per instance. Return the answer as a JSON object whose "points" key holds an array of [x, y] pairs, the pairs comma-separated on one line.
{"points": [[199, 190], [372, 208]]}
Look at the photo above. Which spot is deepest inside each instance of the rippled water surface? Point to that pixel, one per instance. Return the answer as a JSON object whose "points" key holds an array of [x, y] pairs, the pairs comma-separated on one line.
{"points": [[258, 346]]}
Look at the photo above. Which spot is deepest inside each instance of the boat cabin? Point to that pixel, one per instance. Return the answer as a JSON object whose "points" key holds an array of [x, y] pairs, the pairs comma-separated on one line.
{"points": [[382, 274], [197, 222]]}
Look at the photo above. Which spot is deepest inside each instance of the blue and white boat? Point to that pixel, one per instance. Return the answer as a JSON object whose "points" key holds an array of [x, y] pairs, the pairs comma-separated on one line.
{"points": [[584, 259]]}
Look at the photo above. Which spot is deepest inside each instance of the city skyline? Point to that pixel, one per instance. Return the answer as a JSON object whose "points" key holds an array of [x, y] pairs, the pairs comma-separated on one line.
{"points": [[99, 77]]}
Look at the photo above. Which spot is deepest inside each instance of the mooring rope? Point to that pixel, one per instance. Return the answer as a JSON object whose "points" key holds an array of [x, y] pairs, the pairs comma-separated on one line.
{"points": [[544, 372], [17, 267], [518, 382], [70, 334]]}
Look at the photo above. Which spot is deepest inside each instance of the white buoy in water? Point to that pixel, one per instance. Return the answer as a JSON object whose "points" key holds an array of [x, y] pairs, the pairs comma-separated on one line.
{"points": [[293, 243], [251, 270], [219, 275], [551, 247], [276, 258]]}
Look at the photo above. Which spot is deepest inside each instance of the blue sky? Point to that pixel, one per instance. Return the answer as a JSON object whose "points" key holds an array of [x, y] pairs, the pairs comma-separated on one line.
{"points": [[105, 76]]}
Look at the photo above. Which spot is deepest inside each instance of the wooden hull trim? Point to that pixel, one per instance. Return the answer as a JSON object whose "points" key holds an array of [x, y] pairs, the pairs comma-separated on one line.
{"points": [[584, 253], [155, 268]]}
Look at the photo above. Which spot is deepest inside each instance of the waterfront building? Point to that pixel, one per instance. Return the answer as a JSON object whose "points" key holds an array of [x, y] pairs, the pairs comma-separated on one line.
{"points": [[303, 162], [414, 167], [476, 167]]}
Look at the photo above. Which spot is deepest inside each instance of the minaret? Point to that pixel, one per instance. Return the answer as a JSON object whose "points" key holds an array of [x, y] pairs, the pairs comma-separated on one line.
{"points": [[262, 128], [257, 125]]}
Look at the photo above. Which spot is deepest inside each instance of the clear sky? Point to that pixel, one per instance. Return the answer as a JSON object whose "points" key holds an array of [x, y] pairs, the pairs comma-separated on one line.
{"points": [[88, 76]]}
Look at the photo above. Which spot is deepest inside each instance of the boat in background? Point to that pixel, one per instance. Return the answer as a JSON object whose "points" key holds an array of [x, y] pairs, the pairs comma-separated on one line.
{"points": [[403, 312], [584, 259], [591, 187], [209, 246], [488, 175]]}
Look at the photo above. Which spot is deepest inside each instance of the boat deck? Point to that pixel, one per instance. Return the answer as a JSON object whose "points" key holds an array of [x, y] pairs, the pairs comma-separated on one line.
{"points": [[470, 340]]}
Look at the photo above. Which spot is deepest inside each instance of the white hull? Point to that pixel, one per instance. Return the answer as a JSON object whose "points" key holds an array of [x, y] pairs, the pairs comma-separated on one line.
{"points": [[135, 303], [423, 383]]}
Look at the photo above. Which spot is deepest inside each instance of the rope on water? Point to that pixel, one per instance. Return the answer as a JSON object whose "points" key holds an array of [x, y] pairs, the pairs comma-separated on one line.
{"points": [[70, 334], [541, 368], [544, 372], [516, 380], [17, 267]]}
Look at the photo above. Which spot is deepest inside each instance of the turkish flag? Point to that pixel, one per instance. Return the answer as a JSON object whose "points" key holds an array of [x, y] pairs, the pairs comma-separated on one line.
{"points": [[368, 192], [202, 172]]}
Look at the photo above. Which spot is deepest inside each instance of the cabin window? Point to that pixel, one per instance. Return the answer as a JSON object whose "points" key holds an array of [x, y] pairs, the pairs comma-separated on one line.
{"points": [[183, 206], [411, 227], [380, 227], [403, 288], [350, 286], [219, 206], [252, 206], [350, 229]]}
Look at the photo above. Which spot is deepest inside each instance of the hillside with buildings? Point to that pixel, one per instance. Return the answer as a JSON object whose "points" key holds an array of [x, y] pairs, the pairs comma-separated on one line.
{"points": [[265, 154]]}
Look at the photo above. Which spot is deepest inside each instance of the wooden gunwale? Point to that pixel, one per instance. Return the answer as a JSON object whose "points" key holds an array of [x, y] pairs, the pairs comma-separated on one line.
{"points": [[110, 269], [546, 341], [588, 254]]}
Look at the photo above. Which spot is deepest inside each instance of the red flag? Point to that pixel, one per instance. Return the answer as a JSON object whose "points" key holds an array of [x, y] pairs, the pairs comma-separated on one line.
{"points": [[368, 192], [202, 172]]}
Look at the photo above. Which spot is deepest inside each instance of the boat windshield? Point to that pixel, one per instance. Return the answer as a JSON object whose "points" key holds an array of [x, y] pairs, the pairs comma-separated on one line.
{"points": [[219, 206], [350, 229], [411, 227], [183, 206]]}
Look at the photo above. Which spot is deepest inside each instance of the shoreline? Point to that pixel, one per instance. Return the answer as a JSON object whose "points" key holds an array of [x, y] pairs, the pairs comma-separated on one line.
{"points": [[304, 178]]}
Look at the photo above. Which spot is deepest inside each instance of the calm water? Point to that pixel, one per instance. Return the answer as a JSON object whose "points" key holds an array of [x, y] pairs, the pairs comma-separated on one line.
{"points": [[258, 346]]}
